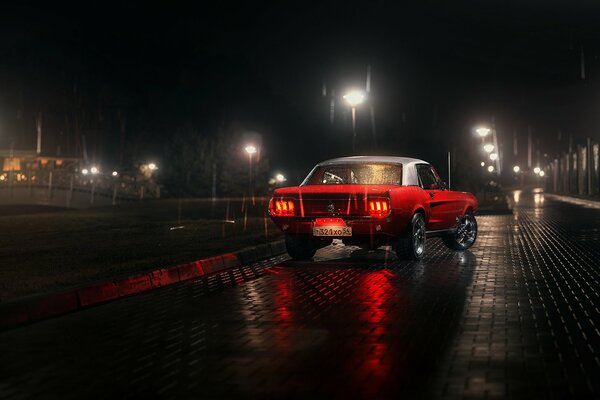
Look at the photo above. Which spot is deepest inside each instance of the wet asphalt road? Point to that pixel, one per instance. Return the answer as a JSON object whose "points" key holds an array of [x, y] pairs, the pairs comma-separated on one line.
{"points": [[517, 316]]}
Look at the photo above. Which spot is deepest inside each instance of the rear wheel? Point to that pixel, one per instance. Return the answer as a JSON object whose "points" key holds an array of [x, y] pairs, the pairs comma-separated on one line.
{"points": [[465, 234], [413, 246], [299, 247]]}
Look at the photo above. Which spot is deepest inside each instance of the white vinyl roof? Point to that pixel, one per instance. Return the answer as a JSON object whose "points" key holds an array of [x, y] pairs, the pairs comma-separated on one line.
{"points": [[380, 159], [409, 172]]}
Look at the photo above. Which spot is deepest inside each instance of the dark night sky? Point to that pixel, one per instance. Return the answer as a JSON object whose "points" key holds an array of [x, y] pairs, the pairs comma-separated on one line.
{"points": [[437, 71]]}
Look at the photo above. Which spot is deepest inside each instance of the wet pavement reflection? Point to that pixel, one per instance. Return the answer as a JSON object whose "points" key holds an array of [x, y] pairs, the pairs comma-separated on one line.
{"points": [[516, 316]]}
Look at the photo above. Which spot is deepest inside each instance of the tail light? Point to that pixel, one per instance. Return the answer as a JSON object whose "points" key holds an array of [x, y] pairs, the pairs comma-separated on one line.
{"points": [[379, 207], [282, 207]]}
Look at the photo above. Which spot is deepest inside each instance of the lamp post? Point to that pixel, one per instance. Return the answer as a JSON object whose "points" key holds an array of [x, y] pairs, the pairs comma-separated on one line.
{"points": [[354, 98], [250, 150], [518, 175], [497, 148], [483, 132]]}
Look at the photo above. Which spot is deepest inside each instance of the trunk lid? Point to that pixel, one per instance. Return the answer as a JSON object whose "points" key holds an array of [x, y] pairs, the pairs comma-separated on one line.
{"points": [[333, 200]]}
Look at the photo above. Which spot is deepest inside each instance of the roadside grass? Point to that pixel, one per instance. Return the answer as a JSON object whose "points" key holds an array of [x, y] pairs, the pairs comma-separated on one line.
{"points": [[48, 252]]}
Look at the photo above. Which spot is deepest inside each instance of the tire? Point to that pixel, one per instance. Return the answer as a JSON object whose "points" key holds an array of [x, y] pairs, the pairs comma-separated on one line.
{"points": [[299, 247], [465, 234], [413, 246]]}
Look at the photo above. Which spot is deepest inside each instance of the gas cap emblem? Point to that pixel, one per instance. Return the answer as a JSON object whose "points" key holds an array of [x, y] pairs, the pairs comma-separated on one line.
{"points": [[331, 208]]}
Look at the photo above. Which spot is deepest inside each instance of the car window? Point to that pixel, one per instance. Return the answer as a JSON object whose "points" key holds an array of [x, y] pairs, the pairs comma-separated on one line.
{"points": [[356, 174], [427, 178]]}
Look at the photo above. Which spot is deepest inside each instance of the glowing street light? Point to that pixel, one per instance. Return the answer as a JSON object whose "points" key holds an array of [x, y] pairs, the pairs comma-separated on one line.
{"points": [[250, 149], [482, 131], [115, 173], [85, 171], [516, 168], [491, 168], [354, 98], [94, 170], [490, 145], [488, 148], [280, 178], [152, 166], [483, 164], [537, 170], [542, 173]]}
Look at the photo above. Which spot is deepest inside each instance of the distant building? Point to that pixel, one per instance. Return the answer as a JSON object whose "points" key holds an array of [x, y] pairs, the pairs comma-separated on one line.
{"points": [[29, 160]]}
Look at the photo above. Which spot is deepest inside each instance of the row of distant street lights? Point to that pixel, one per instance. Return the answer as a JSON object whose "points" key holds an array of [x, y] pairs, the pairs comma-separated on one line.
{"points": [[492, 151], [94, 170], [489, 148]]}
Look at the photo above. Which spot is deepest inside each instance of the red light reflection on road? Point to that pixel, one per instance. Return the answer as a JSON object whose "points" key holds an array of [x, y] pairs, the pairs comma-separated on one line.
{"points": [[283, 314], [374, 365], [367, 366]]}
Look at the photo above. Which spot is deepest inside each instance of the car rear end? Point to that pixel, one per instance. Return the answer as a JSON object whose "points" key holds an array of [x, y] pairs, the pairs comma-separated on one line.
{"points": [[357, 214]]}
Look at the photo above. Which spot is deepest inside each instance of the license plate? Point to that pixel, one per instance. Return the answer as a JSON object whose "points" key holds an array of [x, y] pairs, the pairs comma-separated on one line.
{"points": [[332, 231]]}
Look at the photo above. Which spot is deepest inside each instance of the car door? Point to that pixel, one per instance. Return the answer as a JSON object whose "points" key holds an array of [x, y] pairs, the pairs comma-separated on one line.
{"points": [[443, 203]]}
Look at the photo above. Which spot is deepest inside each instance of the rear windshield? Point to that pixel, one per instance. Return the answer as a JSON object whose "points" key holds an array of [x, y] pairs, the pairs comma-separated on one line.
{"points": [[355, 174]]}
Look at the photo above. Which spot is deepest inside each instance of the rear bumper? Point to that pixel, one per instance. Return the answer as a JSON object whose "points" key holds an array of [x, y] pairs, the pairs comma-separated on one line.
{"points": [[393, 225]]}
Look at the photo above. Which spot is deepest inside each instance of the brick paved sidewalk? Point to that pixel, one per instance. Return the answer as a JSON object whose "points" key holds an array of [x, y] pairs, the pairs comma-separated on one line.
{"points": [[530, 326]]}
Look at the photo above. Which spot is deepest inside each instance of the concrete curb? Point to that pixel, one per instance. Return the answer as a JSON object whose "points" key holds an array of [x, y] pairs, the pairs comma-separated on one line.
{"points": [[36, 308]]}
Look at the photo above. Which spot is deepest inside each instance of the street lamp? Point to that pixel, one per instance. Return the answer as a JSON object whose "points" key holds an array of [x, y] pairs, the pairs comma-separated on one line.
{"points": [[354, 98], [537, 170], [152, 167], [491, 168], [280, 178], [482, 131], [488, 148], [94, 170], [250, 150], [115, 173], [542, 173], [483, 163], [493, 156], [516, 168]]}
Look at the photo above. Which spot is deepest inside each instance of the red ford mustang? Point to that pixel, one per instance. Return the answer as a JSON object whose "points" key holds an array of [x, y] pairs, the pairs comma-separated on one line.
{"points": [[370, 202]]}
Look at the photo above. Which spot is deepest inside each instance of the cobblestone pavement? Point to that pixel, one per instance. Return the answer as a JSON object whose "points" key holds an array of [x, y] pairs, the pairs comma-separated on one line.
{"points": [[515, 317]]}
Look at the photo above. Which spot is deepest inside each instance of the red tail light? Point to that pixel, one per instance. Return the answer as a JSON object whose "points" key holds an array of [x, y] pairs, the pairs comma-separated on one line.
{"points": [[282, 207], [379, 207]]}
